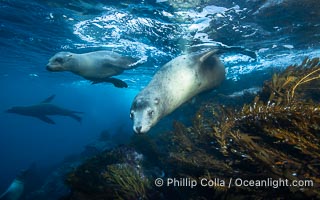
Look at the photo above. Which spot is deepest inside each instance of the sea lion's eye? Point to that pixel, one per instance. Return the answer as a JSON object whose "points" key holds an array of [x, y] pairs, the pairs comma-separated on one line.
{"points": [[156, 101], [131, 115], [150, 113], [59, 60]]}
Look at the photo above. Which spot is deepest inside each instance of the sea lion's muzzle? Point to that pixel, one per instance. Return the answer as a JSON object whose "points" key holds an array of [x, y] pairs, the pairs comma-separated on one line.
{"points": [[138, 129], [49, 68]]}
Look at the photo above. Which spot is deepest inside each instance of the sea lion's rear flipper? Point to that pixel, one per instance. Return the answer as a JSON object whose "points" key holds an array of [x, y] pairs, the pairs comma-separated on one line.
{"points": [[206, 55], [46, 119], [116, 82], [136, 63], [76, 117], [127, 62], [49, 99]]}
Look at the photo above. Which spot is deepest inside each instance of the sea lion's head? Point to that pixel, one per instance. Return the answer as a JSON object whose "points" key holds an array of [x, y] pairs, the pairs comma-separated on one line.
{"points": [[12, 110], [60, 62], [145, 114], [17, 109]]}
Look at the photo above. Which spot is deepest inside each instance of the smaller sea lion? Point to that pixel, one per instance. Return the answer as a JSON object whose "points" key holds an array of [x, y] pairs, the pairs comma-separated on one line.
{"points": [[43, 109], [97, 66]]}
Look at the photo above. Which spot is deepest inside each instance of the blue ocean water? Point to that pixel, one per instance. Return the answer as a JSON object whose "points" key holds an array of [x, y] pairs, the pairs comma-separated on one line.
{"points": [[280, 32]]}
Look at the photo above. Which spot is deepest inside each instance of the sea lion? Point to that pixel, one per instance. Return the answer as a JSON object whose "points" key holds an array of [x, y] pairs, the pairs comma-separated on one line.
{"points": [[14, 191], [175, 83], [43, 109], [17, 187], [97, 66]]}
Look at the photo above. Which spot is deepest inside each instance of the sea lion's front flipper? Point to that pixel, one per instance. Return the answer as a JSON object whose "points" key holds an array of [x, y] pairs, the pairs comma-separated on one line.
{"points": [[46, 119], [49, 99], [116, 82], [76, 117]]}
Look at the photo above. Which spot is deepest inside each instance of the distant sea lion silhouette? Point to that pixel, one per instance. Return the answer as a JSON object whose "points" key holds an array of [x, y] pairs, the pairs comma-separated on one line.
{"points": [[14, 191], [177, 82], [16, 188], [97, 66], [43, 109]]}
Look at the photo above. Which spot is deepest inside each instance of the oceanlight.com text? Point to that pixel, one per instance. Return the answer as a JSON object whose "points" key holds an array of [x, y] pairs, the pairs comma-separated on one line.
{"points": [[231, 182]]}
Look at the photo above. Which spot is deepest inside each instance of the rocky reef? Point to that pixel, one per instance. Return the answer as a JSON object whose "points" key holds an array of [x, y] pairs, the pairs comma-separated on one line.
{"points": [[271, 143]]}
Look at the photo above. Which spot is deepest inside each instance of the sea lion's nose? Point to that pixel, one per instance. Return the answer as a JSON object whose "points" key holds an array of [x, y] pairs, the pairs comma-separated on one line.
{"points": [[9, 110], [138, 129], [48, 68]]}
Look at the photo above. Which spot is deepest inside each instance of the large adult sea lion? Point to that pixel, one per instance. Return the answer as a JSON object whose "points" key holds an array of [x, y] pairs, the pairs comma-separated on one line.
{"points": [[176, 82], [97, 66]]}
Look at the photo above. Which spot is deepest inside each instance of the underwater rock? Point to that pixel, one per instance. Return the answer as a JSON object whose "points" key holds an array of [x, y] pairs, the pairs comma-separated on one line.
{"points": [[53, 186], [115, 174]]}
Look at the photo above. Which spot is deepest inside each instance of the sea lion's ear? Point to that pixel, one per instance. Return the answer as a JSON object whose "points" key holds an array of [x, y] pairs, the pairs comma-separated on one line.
{"points": [[156, 101], [68, 57]]}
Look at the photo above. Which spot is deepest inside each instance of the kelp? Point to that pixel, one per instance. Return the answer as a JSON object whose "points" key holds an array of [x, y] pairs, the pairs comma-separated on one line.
{"points": [[278, 134], [303, 79], [129, 182]]}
